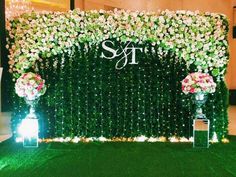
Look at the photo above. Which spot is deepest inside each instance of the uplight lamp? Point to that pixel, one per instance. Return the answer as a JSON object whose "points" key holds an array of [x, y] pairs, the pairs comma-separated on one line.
{"points": [[29, 129]]}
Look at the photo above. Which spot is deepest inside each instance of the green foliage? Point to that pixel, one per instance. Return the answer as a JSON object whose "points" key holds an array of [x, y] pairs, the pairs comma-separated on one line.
{"points": [[200, 39], [87, 96]]}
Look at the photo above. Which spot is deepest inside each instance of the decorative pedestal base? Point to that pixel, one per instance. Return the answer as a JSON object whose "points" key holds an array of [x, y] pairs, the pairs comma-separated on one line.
{"points": [[29, 131], [31, 142], [201, 133], [29, 127]]}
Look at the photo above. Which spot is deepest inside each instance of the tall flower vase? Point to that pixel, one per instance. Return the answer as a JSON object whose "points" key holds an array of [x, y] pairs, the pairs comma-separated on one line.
{"points": [[29, 126], [201, 123], [199, 100], [32, 104]]}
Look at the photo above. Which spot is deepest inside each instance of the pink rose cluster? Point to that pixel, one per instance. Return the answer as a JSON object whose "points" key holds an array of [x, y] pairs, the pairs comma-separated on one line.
{"points": [[198, 82], [30, 86]]}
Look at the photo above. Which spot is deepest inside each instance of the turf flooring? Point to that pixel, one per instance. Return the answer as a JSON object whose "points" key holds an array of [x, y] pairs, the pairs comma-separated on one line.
{"points": [[118, 160]]}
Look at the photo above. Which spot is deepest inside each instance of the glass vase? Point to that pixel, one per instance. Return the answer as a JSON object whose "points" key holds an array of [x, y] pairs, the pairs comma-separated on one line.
{"points": [[199, 100], [32, 104]]}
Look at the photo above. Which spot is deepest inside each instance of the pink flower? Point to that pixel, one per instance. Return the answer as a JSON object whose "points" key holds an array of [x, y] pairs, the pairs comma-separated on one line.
{"points": [[198, 82], [186, 80], [192, 90], [30, 86], [40, 86], [24, 75]]}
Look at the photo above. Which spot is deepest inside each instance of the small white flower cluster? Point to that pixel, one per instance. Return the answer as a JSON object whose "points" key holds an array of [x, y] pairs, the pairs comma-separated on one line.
{"points": [[198, 38], [141, 138]]}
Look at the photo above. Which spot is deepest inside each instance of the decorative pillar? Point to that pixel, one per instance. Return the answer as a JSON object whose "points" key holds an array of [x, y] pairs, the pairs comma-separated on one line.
{"points": [[72, 4]]}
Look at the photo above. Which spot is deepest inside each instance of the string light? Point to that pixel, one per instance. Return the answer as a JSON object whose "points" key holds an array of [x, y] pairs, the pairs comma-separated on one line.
{"points": [[139, 100], [158, 101], [132, 101], [62, 103], [133, 104], [118, 103], [109, 102], [125, 106], [46, 76], [71, 92], [56, 106], [87, 94], [101, 96], [144, 115], [150, 95], [96, 90], [78, 88]]}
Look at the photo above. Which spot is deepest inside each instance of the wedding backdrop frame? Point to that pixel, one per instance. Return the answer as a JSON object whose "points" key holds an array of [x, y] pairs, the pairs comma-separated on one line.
{"points": [[88, 96]]}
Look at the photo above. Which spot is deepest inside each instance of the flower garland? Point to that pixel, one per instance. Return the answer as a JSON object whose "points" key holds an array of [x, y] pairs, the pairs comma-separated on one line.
{"points": [[30, 86], [198, 82], [198, 38], [172, 139]]}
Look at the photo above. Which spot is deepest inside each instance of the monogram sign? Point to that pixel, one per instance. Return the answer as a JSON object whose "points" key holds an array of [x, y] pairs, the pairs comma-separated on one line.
{"points": [[127, 53]]}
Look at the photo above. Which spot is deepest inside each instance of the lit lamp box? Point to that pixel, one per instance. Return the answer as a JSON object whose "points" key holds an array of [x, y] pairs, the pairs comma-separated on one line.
{"points": [[29, 131], [201, 133]]}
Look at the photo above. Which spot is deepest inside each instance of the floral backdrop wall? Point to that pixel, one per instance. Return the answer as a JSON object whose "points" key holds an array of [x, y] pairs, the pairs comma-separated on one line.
{"points": [[88, 97]]}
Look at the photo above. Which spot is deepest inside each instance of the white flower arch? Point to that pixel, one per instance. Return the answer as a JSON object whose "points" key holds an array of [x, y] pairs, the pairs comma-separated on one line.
{"points": [[198, 38]]}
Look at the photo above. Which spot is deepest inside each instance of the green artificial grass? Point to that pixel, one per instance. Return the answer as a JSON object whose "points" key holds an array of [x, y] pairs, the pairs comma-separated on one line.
{"points": [[118, 160]]}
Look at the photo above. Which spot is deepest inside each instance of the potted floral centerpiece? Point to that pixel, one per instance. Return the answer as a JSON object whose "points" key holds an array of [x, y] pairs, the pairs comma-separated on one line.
{"points": [[30, 86], [199, 84]]}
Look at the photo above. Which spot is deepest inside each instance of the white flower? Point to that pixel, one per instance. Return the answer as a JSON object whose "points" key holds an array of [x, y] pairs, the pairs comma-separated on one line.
{"points": [[76, 139], [102, 139], [61, 31], [173, 139], [152, 139], [140, 138]]}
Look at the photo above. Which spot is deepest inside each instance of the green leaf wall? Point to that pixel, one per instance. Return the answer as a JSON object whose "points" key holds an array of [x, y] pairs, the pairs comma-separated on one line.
{"points": [[88, 97]]}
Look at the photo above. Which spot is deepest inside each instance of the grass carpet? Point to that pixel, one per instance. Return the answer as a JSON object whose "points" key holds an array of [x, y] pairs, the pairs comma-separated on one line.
{"points": [[117, 160]]}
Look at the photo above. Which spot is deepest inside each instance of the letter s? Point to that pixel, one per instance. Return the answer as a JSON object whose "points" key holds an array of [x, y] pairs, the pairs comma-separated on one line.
{"points": [[105, 47]]}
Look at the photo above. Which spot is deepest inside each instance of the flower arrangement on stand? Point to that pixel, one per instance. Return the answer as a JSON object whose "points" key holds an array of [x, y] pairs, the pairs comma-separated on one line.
{"points": [[198, 40], [30, 86], [199, 84]]}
